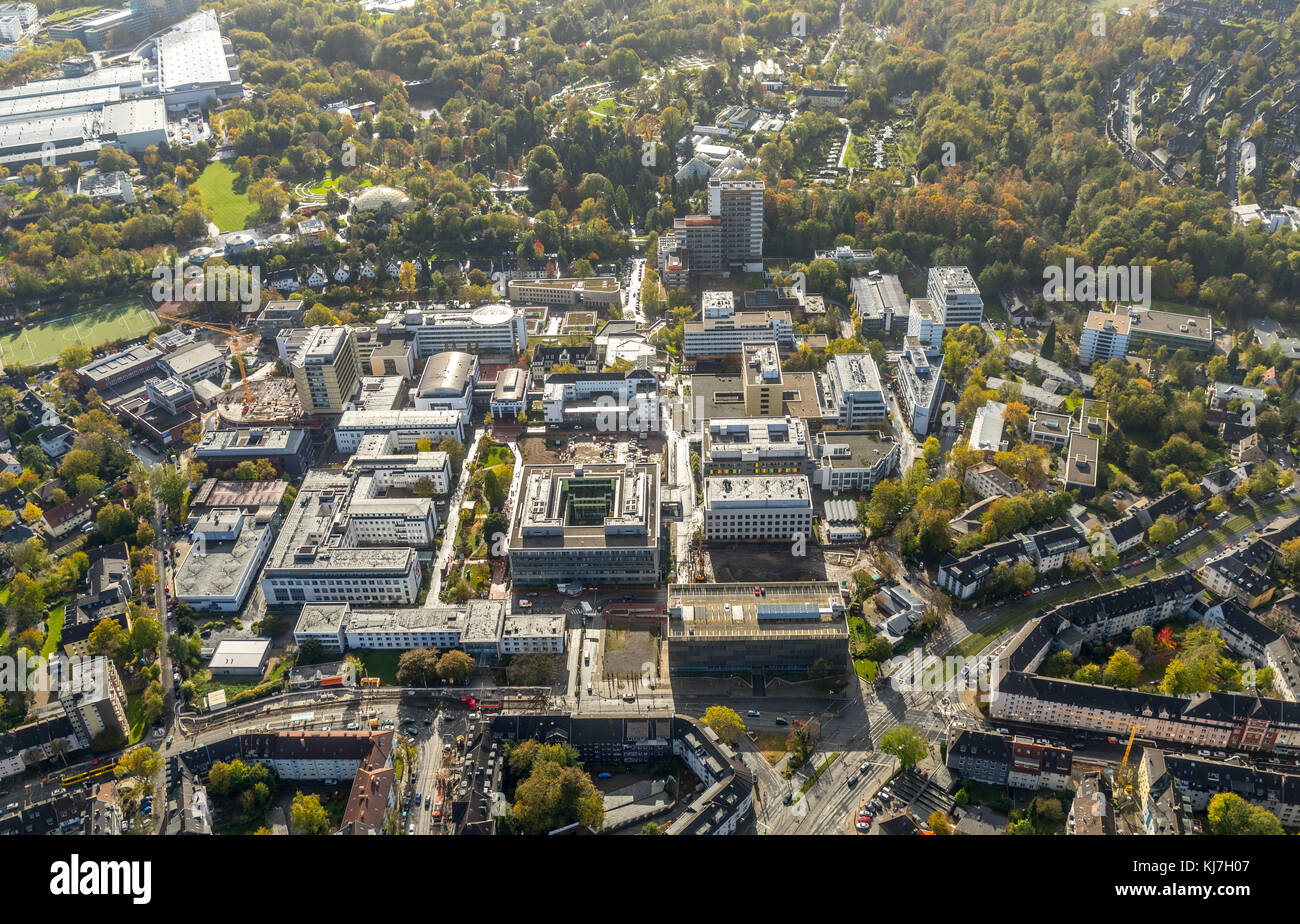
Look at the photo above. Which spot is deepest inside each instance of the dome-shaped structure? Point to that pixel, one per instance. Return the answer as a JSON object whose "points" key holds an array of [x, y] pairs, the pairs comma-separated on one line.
{"points": [[376, 197]]}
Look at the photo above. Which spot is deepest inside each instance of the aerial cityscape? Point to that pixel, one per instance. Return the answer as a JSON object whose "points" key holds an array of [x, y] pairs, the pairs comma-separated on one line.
{"points": [[649, 417]]}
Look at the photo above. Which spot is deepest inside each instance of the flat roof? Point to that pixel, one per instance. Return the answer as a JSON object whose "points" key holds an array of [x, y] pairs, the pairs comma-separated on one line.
{"points": [[237, 653], [1081, 460], [219, 567], [757, 491], [193, 53], [1165, 323], [1105, 321]]}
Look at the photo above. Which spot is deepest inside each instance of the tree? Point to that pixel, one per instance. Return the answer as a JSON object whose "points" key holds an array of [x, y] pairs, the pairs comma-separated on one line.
{"points": [[319, 316], [905, 743], [109, 639], [555, 795], [307, 815], [725, 722], [1048, 349], [802, 741], [939, 823], [932, 451], [26, 599], [493, 492], [1231, 815], [146, 635], [1122, 670], [142, 763], [73, 357], [1163, 531], [417, 666], [530, 669], [455, 666], [878, 649]]}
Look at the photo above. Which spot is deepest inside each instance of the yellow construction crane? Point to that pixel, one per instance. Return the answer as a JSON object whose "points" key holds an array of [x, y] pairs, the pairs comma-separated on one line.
{"points": [[1132, 734], [238, 341]]}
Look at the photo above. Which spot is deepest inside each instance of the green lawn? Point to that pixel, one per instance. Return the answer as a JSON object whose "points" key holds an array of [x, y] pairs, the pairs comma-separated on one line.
{"points": [[381, 663], [115, 320], [135, 716], [53, 631], [231, 210]]}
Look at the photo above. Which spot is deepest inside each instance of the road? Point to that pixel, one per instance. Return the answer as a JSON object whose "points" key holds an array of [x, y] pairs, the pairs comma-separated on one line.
{"points": [[966, 623]]}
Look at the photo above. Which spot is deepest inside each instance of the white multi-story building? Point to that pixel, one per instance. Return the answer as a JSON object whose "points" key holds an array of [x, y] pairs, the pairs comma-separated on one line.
{"points": [[921, 386], [344, 543], [739, 203], [220, 567], [986, 431], [756, 446], [1104, 337], [853, 391], [757, 508], [447, 383], [510, 394], [611, 401], [589, 523], [854, 460], [954, 293], [406, 427], [522, 634], [376, 456], [724, 335], [496, 328], [597, 291], [925, 323]]}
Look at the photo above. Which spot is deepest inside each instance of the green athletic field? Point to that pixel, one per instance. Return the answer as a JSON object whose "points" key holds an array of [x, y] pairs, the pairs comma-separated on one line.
{"points": [[122, 319]]}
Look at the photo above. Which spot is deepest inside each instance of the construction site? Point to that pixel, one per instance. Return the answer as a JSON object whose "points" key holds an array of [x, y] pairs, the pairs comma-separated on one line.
{"points": [[263, 401]]}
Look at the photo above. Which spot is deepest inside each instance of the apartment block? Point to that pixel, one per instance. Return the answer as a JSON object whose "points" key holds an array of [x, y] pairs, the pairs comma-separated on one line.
{"points": [[1105, 337]]}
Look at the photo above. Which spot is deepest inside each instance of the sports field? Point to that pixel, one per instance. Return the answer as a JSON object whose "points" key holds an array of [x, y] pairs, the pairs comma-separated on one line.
{"points": [[122, 319]]}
